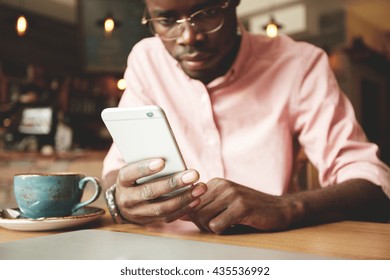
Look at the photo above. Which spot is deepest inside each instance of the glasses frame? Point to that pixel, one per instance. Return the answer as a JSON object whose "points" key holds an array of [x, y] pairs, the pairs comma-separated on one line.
{"points": [[180, 22]]}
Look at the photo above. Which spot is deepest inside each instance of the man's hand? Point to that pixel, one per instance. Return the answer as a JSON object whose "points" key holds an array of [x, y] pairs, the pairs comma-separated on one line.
{"points": [[226, 204], [141, 204]]}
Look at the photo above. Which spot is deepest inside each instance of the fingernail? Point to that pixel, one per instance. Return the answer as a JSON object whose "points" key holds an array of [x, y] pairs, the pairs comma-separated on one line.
{"points": [[189, 177], [194, 203], [198, 191], [156, 164]]}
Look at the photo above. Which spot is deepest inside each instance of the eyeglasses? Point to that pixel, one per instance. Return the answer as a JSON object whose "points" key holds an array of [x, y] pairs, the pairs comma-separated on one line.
{"points": [[207, 20]]}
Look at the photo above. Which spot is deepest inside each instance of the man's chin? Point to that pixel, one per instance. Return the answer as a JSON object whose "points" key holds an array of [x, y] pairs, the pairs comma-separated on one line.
{"points": [[202, 76]]}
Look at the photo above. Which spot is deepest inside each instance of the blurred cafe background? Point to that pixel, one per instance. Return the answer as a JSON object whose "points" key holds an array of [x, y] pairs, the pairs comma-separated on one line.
{"points": [[61, 63]]}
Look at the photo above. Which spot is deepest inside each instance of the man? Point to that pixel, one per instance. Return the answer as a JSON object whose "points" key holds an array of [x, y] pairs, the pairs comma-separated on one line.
{"points": [[240, 106]]}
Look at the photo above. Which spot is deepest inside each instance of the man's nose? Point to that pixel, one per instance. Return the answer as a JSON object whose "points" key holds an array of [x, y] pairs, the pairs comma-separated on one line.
{"points": [[189, 35]]}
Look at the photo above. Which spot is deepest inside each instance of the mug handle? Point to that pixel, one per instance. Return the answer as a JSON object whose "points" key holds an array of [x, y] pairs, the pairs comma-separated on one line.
{"points": [[98, 189]]}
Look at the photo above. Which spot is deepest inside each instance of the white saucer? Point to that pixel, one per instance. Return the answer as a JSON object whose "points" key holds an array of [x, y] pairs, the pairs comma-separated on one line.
{"points": [[80, 217]]}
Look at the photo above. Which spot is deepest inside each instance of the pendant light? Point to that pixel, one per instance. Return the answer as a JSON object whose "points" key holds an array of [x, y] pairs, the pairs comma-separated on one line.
{"points": [[272, 27], [109, 24], [122, 84], [21, 24]]}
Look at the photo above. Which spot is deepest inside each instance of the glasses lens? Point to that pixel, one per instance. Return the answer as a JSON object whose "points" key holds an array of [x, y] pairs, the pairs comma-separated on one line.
{"points": [[162, 26], [205, 21], [208, 20]]}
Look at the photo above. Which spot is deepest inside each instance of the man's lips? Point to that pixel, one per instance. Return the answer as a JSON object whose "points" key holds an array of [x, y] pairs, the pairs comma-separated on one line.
{"points": [[194, 62]]}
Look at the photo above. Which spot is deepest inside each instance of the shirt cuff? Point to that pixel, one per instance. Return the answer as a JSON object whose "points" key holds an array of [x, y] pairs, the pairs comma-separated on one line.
{"points": [[377, 173]]}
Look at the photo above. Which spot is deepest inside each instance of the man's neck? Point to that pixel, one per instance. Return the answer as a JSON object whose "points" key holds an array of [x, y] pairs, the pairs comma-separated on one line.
{"points": [[228, 60]]}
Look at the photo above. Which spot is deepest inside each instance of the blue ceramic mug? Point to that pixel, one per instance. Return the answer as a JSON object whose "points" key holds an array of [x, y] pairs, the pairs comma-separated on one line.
{"points": [[52, 195]]}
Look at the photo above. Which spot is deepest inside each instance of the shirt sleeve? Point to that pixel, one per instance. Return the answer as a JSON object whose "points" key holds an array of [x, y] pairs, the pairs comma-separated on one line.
{"points": [[328, 130], [136, 94]]}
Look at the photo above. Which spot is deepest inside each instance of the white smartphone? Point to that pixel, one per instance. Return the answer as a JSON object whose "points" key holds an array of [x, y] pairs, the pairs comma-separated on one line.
{"points": [[141, 133]]}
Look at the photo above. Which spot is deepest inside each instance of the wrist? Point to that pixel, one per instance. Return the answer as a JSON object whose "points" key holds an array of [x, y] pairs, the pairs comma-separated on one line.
{"points": [[296, 210]]}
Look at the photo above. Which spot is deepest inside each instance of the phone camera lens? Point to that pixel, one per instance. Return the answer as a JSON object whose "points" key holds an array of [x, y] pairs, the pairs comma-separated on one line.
{"points": [[149, 114]]}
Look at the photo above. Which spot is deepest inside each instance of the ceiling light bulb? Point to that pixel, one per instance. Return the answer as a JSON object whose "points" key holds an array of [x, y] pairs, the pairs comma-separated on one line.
{"points": [[272, 30], [272, 27], [122, 84], [109, 25], [21, 25]]}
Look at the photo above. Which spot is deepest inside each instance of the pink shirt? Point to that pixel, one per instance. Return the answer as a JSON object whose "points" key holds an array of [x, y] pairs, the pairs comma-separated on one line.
{"points": [[248, 125]]}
